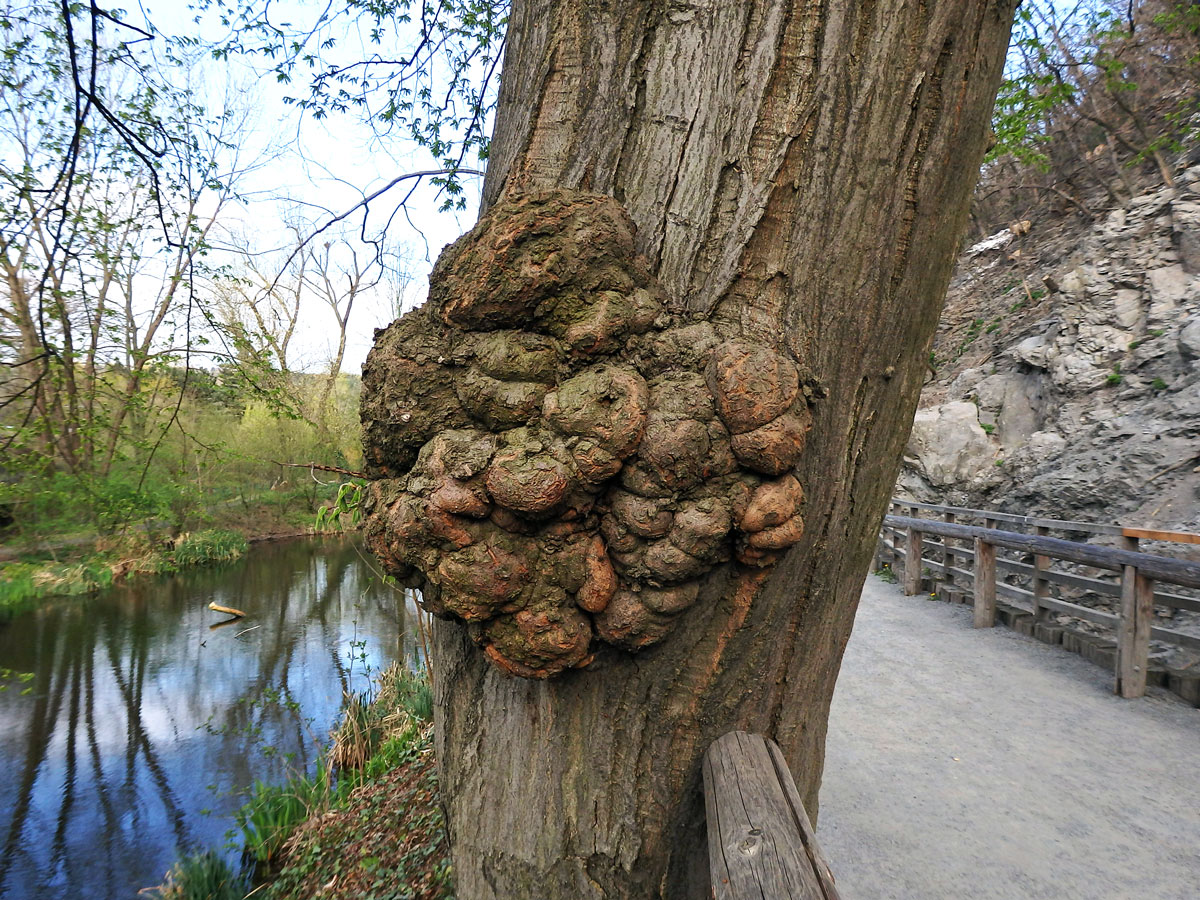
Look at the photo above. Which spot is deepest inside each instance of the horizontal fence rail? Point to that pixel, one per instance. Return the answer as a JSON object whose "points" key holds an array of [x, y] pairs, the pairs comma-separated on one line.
{"points": [[963, 561]]}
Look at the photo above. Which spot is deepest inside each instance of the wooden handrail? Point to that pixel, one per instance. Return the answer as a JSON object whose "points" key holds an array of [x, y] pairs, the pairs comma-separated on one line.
{"points": [[1012, 518], [1139, 573], [1161, 568], [1151, 534], [761, 845]]}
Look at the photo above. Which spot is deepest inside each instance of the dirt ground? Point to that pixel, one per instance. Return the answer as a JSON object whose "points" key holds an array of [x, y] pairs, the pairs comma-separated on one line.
{"points": [[982, 764]]}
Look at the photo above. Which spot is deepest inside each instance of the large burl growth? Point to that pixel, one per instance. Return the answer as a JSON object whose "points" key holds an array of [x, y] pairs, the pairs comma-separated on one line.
{"points": [[559, 460]]}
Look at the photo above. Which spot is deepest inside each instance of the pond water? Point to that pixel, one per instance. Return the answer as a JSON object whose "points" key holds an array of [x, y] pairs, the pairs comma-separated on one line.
{"points": [[146, 716]]}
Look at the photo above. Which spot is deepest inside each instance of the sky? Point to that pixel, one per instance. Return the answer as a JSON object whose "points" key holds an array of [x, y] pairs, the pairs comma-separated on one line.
{"points": [[319, 168]]}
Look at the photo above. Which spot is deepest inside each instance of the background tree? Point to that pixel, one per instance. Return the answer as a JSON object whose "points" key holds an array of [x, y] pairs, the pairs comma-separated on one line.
{"points": [[112, 178], [122, 165], [1100, 100], [259, 304]]}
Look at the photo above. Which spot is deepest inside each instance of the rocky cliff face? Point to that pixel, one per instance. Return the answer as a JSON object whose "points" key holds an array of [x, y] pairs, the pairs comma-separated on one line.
{"points": [[1065, 377]]}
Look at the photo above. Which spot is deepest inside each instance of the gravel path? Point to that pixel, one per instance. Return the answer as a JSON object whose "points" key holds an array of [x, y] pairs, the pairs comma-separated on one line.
{"points": [[982, 764]]}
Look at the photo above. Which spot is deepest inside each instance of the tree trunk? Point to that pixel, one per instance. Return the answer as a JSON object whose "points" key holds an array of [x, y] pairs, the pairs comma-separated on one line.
{"points": [[799, 174]]}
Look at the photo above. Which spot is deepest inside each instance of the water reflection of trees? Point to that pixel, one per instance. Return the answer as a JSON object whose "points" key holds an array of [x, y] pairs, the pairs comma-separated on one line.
{"points": [[109, 758]]}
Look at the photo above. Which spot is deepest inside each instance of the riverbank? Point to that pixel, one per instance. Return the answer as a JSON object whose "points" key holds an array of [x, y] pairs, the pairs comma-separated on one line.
{"points": [[26, 581], [367, 823], [389, 839], [73, 565]]}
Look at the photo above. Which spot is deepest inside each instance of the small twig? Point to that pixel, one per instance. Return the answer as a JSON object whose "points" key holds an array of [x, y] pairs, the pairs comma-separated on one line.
{"points": [[321, 468], [244, 630], [365, 203]]}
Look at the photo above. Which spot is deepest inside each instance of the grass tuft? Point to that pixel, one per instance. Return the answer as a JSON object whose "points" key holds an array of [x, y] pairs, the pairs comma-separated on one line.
{"points": [[274, 811], [203, 548], [398, 701], [204, 876], [24, 582]]}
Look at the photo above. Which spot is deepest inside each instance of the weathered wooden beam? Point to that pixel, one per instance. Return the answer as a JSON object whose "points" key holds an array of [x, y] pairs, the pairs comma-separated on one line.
{"points": [[761, 845], [1133, 633], [1014, 518], [914, 541], [1155, 534], [1160, 568], [1041, 585], [984, 585]]}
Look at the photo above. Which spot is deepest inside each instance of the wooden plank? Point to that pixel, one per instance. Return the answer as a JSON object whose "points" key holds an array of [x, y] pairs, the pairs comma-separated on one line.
{"points": [[912, 558], [1153, 534], [966, 575], [1018, 593], [1096, 585], [1099, 616], [809, 836], [1170, 636], [1175, 601], [1067, 525], [984, 584], [760, 842], [1093, 585], [1133, 633], [1071, 609]]}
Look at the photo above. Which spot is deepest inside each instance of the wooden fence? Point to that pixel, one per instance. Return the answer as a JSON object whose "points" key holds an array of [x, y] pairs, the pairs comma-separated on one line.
{"points": [[963, 560]]}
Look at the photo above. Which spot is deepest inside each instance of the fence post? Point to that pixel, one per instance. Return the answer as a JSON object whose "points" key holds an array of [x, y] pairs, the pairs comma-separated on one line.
{"points": [[1041, 585], [984, 587], [947, 561], [1133, 628], [897, 510], [914, 542], [1133, 633]]}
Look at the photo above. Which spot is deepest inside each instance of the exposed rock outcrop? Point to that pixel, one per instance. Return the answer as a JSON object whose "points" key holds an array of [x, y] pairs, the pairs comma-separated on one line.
{"points": [[1076, 357]]}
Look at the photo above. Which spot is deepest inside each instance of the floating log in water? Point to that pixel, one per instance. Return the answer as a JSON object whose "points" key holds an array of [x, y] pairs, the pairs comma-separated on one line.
{"points": [[228, 610]]}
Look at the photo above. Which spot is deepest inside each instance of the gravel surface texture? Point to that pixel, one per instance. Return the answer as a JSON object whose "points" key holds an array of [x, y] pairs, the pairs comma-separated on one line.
{"points": [[981, 764]]}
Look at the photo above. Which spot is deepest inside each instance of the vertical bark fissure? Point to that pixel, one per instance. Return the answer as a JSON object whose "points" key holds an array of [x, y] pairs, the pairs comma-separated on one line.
{"points": [[863, 28], [639, 103], [927, 110], [658, 255]]}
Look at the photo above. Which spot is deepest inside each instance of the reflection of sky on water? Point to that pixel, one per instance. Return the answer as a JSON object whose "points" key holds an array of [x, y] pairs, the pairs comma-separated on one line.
{"points": [[142, 715]]}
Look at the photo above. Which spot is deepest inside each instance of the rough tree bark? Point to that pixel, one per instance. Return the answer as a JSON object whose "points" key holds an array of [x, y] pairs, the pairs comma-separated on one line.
{"points": [[798, 172]]}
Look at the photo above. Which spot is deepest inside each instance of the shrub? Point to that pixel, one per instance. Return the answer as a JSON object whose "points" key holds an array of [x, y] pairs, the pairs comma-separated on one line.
{"points": [[23, 582]]}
